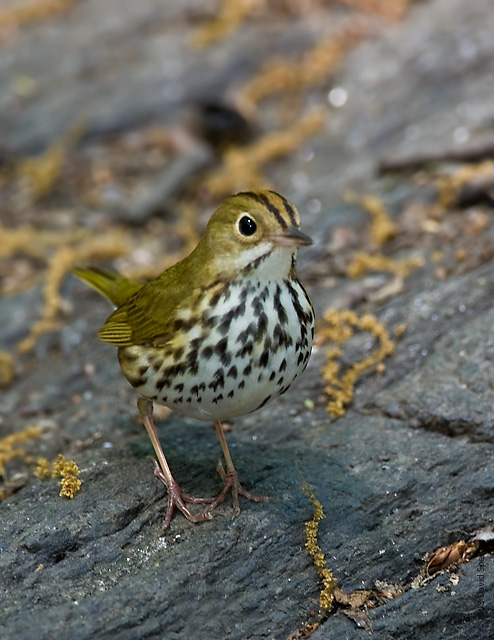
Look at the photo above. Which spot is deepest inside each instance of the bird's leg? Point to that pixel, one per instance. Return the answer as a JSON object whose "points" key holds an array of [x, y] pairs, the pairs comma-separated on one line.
{"points": [[176, 497], [230, 479]]}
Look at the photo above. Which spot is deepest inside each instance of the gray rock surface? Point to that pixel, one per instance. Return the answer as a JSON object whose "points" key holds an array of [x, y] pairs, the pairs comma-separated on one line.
{"points": [[408, 469]]}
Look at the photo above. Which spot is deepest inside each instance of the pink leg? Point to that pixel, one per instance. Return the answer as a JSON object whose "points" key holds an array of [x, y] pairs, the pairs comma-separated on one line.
{"points": [[176, 497], [230, 479]]}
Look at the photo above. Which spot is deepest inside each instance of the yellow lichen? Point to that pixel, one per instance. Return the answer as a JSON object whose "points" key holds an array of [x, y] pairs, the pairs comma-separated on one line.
{"points": [[61, 467], [69, 471], [365, 262], [43, 468], [43, 171], [382, 228], [8, 444], [449, 186], [339, 327], [228, 18], [111, 244], [326, 597], [280, 74], [70, 486], [241, 166], [6, 368]]}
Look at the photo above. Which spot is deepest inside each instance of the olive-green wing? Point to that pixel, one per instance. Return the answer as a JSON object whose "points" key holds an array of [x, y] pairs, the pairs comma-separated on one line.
{"points": [[147, 317]]}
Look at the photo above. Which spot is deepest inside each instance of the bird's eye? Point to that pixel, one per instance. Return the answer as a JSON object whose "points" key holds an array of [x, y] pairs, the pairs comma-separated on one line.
{"points": [[247, 226]]}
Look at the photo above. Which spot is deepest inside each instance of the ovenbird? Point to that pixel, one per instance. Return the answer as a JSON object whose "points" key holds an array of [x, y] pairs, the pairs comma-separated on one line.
{"points": [[218, 334]]}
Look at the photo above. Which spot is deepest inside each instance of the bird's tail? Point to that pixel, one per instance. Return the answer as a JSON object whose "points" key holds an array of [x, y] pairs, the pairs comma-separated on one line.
{"points": [[118, 289]]}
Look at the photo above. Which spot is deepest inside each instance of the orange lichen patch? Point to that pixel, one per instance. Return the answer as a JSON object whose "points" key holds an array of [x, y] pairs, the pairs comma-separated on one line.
{"points": [[111, 244], [241, 166], [280, 75], [6, 368], [8, 446], [449, 186], [25, 12], [339, 327], [230, 15], [364, 262], [326, 597]]}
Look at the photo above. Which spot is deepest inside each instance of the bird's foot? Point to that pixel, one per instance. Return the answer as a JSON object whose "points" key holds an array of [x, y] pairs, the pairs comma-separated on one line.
{"points": [[232, 483], [179, 499]]}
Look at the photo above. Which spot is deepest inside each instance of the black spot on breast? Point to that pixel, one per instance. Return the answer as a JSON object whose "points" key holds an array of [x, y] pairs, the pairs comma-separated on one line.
{"points": [[215, 298], [179, 387], [162, 383], [268, 344], [257, 306], [183, 325], [221, 350], [225, 322], [263, 360], [278, 307], [231, 394], [262, 325], [217, 398], [219, 380], [241, 384], [178, 352], [283, 365], [239, 310], [272, 376], [232, 372], [206, 353], [246, 350], [244, 335], [247, 370]]}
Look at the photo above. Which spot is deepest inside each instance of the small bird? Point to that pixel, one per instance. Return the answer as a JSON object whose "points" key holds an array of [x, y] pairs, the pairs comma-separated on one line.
{"points": [[218, 334]]}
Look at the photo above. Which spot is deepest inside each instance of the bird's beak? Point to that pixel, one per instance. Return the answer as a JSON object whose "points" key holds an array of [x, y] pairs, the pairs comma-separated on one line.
{"points": [[292, 237]]}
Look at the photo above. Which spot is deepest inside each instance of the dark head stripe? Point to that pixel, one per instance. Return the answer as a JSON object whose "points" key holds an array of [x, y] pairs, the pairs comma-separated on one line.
{"points": [[288, 207], [263, 199]]}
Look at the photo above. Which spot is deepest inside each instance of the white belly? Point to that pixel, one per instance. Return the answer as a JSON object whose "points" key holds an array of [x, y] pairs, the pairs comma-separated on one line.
{"points": [[251, 348]]}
